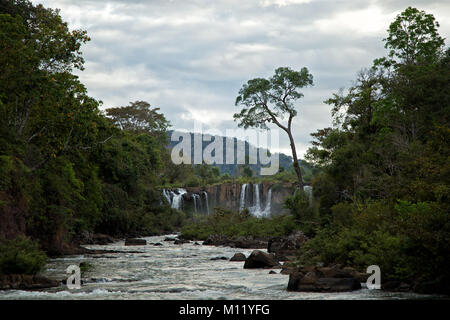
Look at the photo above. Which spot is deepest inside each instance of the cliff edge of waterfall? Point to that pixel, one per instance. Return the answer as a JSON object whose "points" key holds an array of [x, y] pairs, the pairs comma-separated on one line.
{"points": [[261, 199]]}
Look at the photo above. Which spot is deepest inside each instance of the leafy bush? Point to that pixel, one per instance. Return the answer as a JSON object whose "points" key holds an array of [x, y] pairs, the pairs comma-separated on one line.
{"points": [[304, 211], [234, 224], [21, 255], [193, 181]]}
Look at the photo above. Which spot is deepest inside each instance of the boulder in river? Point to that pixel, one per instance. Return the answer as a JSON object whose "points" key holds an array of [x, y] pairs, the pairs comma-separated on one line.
{"points": [[87, 237], [240, 242], [260, 259], [26, 282], [313, 279], [283, 247], [219, 258], [238, 257], [180, 241], [135, 242]]}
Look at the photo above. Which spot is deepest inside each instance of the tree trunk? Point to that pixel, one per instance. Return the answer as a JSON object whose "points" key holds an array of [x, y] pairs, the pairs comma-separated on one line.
{"points": [[296, 164]]}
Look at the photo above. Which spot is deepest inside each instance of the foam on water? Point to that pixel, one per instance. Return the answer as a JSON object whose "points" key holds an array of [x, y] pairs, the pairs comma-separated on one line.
{"points": [[177, 272]]}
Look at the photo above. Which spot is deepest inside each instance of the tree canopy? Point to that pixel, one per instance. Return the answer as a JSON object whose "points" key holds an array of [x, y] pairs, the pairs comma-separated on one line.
{"points": [[271, 100]]}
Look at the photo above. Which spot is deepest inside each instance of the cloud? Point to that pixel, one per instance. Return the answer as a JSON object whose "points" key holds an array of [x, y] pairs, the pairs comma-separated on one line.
{"points": [[190, 57]]}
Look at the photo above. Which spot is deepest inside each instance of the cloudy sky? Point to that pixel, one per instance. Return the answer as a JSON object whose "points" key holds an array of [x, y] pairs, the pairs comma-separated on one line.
{"points": [[190, 57]]}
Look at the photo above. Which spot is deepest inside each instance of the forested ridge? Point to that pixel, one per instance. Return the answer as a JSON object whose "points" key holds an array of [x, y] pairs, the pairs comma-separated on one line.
{"points": [[66, 167], [380, 174]]}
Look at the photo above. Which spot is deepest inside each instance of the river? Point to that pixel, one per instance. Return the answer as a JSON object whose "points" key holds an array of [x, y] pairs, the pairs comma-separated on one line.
{"points": [[177, 272]]}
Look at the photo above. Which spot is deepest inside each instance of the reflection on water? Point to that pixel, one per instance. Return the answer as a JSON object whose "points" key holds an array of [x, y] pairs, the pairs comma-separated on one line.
{"points": [[177, 272]]}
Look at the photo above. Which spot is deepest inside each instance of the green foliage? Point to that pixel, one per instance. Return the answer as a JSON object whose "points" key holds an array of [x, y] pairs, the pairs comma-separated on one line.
{"points": [[382, 189], [304, 211], [413, 37], [139, 117], [85, 267], [233, 225], [247, 171], [21, 255], [267, 101], [64, 166]]}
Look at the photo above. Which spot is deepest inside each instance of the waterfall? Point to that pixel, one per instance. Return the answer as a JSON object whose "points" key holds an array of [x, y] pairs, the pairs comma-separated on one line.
{"points": [[206, 201], [196, 197], [177, 200], [308, 190], [256, 207], [267, 208], [167, 196], [256, 201], [242, 203]]}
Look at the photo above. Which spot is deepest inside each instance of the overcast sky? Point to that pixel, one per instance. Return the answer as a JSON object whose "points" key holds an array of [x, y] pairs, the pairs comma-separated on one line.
{"points": [[190, 58]]}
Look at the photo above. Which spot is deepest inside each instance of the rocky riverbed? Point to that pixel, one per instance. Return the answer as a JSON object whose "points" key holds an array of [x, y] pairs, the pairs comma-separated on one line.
{"points": [[186, 270]]}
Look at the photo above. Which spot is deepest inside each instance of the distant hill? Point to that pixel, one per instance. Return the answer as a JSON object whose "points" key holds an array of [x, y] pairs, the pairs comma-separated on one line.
{"points": [[232, 169]]}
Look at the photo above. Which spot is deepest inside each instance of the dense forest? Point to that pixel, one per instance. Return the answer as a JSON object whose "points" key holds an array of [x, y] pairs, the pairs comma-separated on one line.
{"points": [[66, 166], [380, 174], [383, 191]]}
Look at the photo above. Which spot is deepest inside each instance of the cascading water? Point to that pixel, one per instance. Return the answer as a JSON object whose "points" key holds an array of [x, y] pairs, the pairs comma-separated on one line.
{"points": [[206, 201], [242, 202], [255, 208], [308, 190], [268, 206], [196, 199], [177, 200], [167, 196]]}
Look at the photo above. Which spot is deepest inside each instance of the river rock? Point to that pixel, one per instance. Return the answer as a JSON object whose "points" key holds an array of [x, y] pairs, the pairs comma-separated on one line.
{"points": [[219, 258], [260, 259], [102, 239], [87, 237], [288, 267], [238, 257], [26, 282], [249, 243], [283, 247], [180, 241], [398, 286], [325, 279], [240, 242], [135, 242]]}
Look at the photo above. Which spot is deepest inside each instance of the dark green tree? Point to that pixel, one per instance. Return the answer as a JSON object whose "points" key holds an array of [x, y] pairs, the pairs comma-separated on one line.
{"points": [[139, 117]]}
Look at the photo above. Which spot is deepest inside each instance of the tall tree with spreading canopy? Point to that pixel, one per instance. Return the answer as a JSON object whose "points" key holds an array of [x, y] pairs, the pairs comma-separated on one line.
{"points": [[412, 38], [140, 117], [271, 100]]}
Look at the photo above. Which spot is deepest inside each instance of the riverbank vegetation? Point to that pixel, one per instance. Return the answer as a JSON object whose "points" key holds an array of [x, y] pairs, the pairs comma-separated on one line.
{"points": [[67, 167], [237, 224], [382, 194], [379, 175]]}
